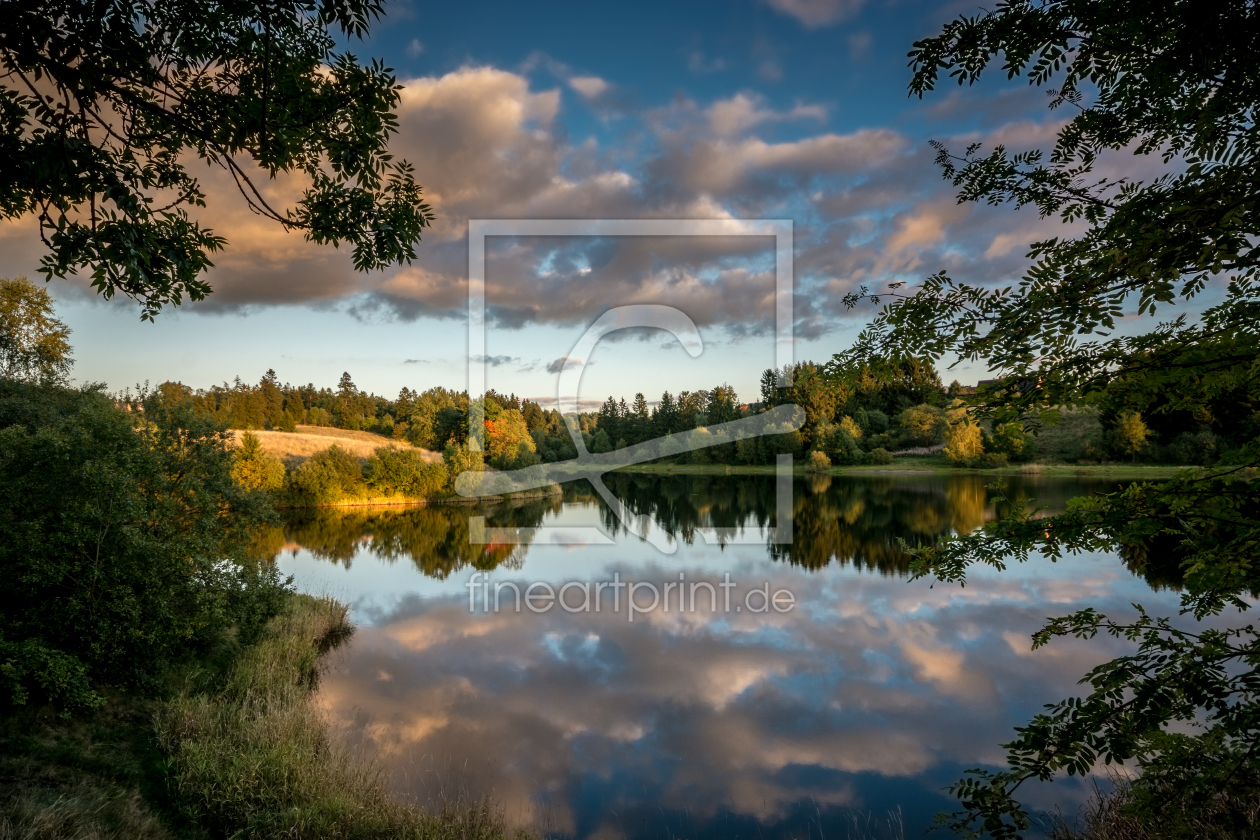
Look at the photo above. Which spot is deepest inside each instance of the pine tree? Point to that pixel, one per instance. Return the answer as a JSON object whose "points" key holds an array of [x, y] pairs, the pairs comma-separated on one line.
{"points": [[641, 420]]}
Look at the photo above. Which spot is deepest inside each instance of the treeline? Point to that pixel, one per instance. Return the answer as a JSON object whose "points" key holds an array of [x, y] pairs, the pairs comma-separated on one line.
{"points": [[850, 417]]}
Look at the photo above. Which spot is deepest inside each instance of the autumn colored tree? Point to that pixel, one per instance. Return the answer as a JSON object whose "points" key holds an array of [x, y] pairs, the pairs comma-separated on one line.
{"points": [[504, 436]]}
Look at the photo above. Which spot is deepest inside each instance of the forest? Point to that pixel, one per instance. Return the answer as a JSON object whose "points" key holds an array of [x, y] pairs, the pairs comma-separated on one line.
{"points": [[852, 416]]}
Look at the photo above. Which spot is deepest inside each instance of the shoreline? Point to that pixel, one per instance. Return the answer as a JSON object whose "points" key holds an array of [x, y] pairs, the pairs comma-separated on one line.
{"points": [[923, 466]]}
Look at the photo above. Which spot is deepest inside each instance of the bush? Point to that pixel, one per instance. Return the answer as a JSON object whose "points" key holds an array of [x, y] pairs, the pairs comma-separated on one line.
{"points": [[818, 462], [872, 421], [1069, 438], [1010, 439], [459, 459], [880, 457], [328, 476], [125, 549], [923, 425], [841, 447], [600, 443], [255, 469], [391, 471], [988, 461], [1194, 448]]}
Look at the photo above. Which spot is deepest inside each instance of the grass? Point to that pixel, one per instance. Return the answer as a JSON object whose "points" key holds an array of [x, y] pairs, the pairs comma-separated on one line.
{"points": [[93, 779], [307, 440], [242, 751], [254, 759]]}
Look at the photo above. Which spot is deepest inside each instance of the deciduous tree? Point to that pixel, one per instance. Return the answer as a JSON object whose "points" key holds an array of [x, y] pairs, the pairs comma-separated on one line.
{"points": [[1176, 83], [106, 106]]}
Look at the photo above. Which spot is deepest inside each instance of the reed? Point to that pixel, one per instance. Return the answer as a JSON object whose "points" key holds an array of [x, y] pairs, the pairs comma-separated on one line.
{"points": [[254, 758]]}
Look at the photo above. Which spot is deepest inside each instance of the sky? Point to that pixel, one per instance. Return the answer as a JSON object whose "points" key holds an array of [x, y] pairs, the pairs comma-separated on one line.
{"points": [[741, 109]]}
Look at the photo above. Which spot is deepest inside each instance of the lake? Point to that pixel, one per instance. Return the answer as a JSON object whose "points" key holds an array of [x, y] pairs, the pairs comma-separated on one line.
{"points": [[753, 688]]}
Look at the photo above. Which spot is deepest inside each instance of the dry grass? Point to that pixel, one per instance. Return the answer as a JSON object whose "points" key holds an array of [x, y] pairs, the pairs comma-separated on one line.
{"points": [[296, 447], [84, 810], [81, 779], [254, 759]]}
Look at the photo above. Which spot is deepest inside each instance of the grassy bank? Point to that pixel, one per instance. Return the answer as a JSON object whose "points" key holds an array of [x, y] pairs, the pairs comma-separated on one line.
{"points": [[307, 440], [240, 751]]}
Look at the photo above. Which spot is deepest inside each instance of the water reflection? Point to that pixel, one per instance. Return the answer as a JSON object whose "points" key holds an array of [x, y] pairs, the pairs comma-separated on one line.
{"points": [[869, 696]]}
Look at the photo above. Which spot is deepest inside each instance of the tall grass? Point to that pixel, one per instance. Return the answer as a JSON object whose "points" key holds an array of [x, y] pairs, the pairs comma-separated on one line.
{"points": [[253, 757]]}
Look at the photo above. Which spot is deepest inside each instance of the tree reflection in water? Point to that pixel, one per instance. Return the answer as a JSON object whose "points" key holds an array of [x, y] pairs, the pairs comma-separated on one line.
{"points": [[857, 521]]}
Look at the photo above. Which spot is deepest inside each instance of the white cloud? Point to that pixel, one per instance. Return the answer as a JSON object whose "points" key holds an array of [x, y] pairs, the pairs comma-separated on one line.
{"points": [[591, 87], [817, 13]]}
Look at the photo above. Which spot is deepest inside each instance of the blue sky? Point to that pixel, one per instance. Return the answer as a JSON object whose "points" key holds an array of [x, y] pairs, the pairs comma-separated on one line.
{"points": [[782, 109]]}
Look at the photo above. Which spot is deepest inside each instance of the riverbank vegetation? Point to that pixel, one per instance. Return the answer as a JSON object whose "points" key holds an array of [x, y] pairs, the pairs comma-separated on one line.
{"points": [[156, 671]]}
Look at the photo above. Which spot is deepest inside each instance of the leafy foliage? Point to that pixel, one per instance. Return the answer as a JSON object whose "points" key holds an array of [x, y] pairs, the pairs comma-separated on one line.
{"points": [[255, 469], [104, 105], [125, 548], [405, 472], [963, 441], [328, 476], [34, 343], [1176, 82]]}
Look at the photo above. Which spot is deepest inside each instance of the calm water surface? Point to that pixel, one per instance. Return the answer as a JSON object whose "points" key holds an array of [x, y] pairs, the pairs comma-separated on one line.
{"points": [[861, 702]]}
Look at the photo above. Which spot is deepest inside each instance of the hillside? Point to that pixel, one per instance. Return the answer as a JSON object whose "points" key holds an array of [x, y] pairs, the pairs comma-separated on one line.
{"points": [[308, 440]]}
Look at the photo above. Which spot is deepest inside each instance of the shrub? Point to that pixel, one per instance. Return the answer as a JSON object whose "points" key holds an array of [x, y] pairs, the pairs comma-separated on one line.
{"points": [[880, 457], [328, 476], [1068, 439], [923, 425], [393, 471], [125, 549], [841, 448], [988, 461], [526, 456], [1008, 439], [1199, 448], [458, 459], [255, 469], [818, 462], [872, 421], [288, 423]]}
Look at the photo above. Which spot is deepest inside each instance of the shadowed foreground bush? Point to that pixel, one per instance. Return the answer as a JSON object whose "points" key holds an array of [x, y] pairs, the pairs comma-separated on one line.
{"points": [[1123, 814], [254, 759]]}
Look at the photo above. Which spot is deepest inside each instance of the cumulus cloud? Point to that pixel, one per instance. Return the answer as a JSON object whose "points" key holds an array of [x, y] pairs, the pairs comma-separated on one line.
{"points": [[490, 143]]}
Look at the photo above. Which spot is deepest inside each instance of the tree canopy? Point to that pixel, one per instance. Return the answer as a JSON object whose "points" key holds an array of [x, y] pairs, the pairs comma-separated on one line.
{"points": [[1174, 83], [105, 106], [34, 343]]}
